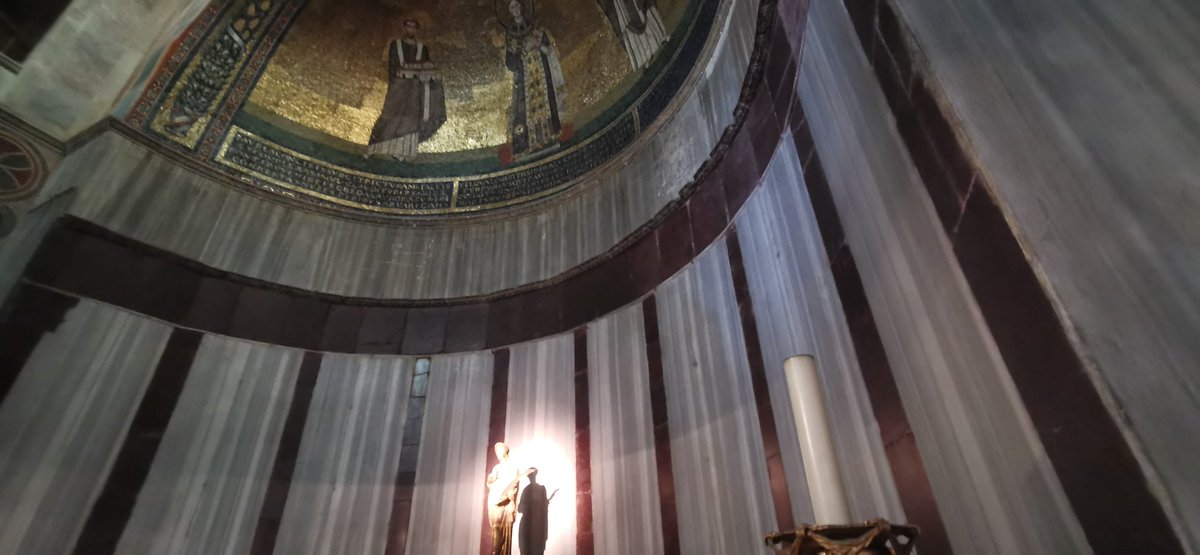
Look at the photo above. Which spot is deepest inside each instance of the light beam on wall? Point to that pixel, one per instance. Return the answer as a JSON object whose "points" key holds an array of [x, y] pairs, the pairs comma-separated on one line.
{"points": [[556, 471]]}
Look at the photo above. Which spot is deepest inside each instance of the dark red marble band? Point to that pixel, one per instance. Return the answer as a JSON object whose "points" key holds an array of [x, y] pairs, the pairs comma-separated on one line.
{"points": [[401, 515], [585, 543], [110, 514], [908, 469], [497, 422], [1095, 464], [28, 314], [662, 432], [776, 474], [275, 500]]}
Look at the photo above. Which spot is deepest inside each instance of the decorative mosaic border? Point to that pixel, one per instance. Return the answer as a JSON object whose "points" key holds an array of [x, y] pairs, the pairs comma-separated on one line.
{"points": [[261, 162], [27, 159], [164, 76], [215, 65], [22, 167]]}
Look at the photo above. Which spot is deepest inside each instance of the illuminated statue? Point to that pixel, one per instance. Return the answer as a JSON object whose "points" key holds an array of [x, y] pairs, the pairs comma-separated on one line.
{"points": [[415, 105], [535, 117], [638, 25], [502, 483]]}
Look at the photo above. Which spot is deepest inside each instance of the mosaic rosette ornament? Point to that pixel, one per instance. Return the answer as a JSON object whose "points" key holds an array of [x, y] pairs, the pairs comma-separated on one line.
{"points": [[21, 168]]}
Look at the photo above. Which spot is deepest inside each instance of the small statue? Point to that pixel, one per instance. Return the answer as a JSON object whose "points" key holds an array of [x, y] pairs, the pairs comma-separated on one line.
{"points": [[502, 484]]}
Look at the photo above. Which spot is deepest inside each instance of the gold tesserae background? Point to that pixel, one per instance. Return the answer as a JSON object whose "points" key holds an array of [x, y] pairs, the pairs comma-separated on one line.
{"points": [[328, 75]]}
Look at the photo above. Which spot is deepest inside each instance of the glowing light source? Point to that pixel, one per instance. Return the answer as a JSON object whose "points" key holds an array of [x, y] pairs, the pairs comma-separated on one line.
{"points": [[556, 471]]}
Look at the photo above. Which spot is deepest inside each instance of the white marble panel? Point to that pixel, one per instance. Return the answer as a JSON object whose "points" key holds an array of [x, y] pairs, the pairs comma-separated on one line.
{"points": [[625, 502], [447, 507], [995, 488], [540, 428], [1086, 119], [340, 499], [63, 423], [78, 70], [797, 310], [721, 487], [206, 486]]}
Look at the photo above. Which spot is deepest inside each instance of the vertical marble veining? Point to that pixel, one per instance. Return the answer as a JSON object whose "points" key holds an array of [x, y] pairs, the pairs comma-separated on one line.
{"points": [[206, 487], [1084, 118], [721, 485], [447, 506], [797, 310], [64, 420], [540, 428], [995, 488], [341, 493], [625, 490]]}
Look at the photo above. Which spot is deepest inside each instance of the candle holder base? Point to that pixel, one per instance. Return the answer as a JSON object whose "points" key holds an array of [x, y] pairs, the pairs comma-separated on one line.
{"points": [[875, 536]]}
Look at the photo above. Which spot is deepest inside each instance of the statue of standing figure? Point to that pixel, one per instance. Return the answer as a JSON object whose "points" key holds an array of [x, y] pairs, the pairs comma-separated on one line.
{"points": [[502, 484]]}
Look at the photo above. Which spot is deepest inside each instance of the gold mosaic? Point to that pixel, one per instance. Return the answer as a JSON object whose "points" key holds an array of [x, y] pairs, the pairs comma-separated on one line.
{"points": [[330, 73]]}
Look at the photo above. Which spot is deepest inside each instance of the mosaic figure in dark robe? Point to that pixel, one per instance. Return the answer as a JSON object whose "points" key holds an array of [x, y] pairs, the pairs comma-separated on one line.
{"points": [[415, 105], [535, 117], [639, 26]]}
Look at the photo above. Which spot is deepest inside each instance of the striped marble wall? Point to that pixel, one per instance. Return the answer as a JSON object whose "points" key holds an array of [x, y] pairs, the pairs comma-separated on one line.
{"points": [[723, 496], [134, 192], [798, 312], [993, 483], [1117, 169], [340, 498], [207, 484], [206, 487], [448, 498], [625, 488], [540, 428], [63, 422]]}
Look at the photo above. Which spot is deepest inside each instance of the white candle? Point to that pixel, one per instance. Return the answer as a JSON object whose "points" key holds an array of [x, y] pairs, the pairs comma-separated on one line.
{"points": [[816, 441]]}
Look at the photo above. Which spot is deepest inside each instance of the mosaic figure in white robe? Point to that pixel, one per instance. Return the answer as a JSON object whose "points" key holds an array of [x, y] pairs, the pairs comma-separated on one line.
{"points": [[639, 26]]}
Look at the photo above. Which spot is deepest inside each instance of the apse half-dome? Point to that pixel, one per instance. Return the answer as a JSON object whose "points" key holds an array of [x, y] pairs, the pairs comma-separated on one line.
{"points": [[420, 107]]}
